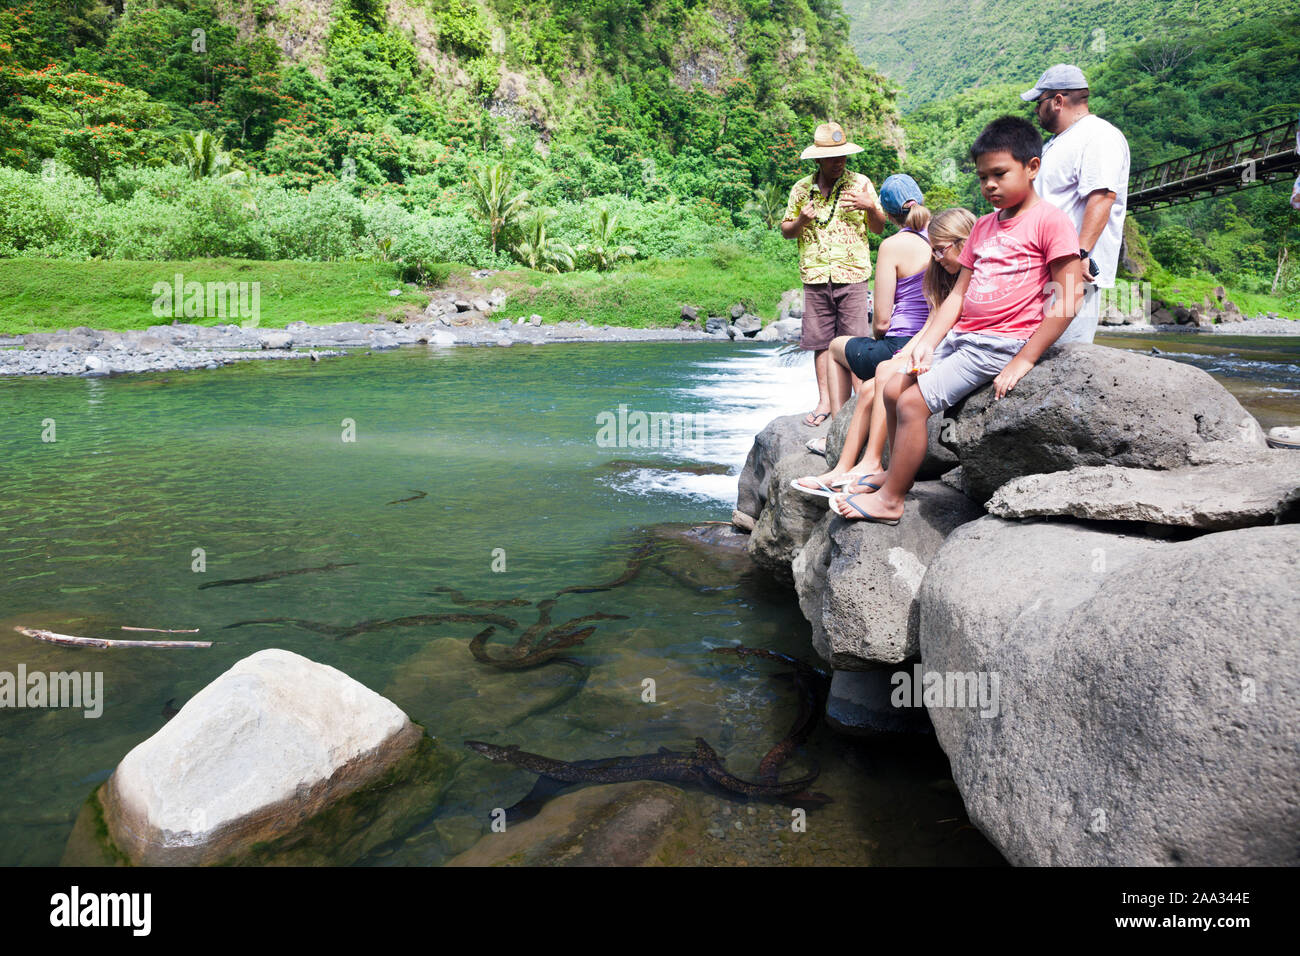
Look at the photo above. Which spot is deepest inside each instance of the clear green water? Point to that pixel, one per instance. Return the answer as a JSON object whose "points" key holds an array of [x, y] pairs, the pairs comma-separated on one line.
{"points": [[98, 529]]}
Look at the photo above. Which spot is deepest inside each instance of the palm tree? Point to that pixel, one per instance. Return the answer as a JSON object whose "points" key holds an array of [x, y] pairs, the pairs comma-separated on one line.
{"points": [[493, 203], [769, 202], [203, 156], [602, 250], [540, 251]]}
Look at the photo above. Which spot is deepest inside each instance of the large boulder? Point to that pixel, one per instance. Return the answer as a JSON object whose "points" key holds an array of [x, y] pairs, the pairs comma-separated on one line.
{"points": [[782, 436], [857, 581], [938, 458], [1092, 405], [1215, 497], [789, 517], [861, 704], [272, 744], [1146, 691]]}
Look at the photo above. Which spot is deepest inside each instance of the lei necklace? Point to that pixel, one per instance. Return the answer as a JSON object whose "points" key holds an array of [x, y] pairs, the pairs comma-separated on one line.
{"points": [[834, 201]]}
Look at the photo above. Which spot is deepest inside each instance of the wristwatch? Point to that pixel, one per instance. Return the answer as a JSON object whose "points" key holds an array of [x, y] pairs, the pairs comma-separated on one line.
{"points": [[1086, 254]]}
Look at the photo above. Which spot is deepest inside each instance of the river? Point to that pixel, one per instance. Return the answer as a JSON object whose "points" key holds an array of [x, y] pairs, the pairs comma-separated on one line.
{"points": [[157, 484]]}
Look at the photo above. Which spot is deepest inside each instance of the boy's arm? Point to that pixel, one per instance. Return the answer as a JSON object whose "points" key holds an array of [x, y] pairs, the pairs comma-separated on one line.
{"points": [[1067, 276], [940, 323]]}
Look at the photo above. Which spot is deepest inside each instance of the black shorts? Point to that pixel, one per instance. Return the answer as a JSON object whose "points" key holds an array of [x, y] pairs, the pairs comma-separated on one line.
{"points": [[864, 353]]}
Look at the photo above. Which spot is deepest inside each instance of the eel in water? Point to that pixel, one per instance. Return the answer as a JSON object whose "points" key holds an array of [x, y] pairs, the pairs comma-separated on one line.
{"points": [[458, 597], [339, 632], [701, 766], [415, 497], [640, 555], [811, 683], [271, 576], [537, 645]]}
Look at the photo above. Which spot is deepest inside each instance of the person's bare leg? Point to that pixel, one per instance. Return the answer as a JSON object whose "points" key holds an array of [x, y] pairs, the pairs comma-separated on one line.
{"points": [[840, 379], [911, 436], [820, 361], [853, 440], [871, 466]]}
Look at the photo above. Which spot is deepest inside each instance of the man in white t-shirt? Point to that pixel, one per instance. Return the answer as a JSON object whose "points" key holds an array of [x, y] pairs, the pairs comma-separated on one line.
{"points": [[1084, 173]]}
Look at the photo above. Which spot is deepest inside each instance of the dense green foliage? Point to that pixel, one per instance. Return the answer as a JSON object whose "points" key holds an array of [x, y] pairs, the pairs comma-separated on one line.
{"points": [[935, 49], [1229, 84]]}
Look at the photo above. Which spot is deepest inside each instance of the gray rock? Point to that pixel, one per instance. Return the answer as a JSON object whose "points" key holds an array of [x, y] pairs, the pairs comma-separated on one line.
{"points": [[274, 740], [789, 516], [748, 324], [857, 581], [276, 340], [382, 341], [1215, 497], [149, 343], [481, 305], [780, 437], [737, 311], [463, 305], [938, 458], [860, 703], [1162, 316], [97, 365], [534, 320], [715, 324], [1093, 405], [1146, 692], [690, 314]]}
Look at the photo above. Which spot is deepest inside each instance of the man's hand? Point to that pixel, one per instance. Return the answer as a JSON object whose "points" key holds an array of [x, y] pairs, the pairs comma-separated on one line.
{"points": [[862, 199], [1015, 370]]}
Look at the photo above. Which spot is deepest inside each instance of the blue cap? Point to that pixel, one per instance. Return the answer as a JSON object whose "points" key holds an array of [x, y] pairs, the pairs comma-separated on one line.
{"points": [[896, 191]]}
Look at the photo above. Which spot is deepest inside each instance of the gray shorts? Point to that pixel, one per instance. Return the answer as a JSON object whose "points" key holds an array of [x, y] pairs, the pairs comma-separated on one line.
{"points": [[962, 363]]}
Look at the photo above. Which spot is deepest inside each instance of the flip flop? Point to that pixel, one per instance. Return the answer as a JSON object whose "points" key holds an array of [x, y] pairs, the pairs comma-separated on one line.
{"points": [[861, 482], [816, 445], [866, 516], [817, 418], [821, 491]]}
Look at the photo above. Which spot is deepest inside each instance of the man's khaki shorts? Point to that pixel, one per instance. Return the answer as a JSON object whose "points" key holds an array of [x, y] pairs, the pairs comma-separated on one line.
{"points": [[834, 309]]}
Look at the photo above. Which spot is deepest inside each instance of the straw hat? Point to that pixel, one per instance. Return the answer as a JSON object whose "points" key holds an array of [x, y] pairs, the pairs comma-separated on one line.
{"points": [[829, 140]]}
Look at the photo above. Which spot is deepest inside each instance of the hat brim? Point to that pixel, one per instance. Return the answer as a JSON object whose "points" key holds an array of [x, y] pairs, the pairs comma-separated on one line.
{"points": [[1033, 94], [825, 152]]}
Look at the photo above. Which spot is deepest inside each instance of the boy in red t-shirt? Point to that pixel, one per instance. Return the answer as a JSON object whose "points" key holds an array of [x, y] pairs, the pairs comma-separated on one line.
{"points": [[998, 311]]}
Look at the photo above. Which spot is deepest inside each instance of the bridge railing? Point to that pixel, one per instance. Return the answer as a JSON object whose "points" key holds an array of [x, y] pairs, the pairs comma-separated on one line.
{"points": [[1211, 164]]}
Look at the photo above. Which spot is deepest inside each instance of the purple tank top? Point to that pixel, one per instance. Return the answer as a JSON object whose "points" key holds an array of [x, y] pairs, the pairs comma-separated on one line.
{"points": [[910, 308]]}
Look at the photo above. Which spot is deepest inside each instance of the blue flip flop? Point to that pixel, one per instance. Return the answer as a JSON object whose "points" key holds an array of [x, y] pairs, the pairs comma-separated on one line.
{"points": [[861, 482], [848, 500]]}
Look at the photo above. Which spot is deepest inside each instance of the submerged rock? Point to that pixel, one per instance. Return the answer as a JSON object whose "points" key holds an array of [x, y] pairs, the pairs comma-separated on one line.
{"points": [[1093, 405], [1146, 691], [625, 824], [271, 744]]}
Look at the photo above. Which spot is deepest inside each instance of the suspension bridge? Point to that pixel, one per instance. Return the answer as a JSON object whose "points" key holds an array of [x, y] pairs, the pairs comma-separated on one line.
{"points": [[1253, 160]]}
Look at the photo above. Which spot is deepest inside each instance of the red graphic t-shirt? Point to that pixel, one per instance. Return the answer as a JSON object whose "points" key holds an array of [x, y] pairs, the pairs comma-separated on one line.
{"points": [[1010, 264]]}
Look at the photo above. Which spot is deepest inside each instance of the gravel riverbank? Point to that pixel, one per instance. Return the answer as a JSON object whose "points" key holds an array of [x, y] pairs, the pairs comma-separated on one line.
{"points": [[94, 353]]}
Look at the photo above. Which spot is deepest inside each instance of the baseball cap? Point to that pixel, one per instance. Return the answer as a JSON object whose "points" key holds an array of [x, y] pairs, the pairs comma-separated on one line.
{"points": [[896, 191], [1063, 76]]}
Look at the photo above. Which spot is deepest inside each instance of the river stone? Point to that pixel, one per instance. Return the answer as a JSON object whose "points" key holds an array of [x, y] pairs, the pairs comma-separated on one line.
{"points": [[625, 824], [789, 516], [857, 581], [860, 703], [1212, 497], [1146, 689], [747, 324], [715, 324], [276, 340], [1093, 405], [938, 458], [274, 740], [782, 436]]}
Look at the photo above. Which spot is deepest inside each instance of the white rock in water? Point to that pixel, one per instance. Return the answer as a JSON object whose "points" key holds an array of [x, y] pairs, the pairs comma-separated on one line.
{"points": [[276, 340], [268, 744]]}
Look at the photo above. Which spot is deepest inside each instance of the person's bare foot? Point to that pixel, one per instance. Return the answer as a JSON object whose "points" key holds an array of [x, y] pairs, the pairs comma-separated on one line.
{"points": [[817, 482], [867, 507], [817, 416], [863, 482]]}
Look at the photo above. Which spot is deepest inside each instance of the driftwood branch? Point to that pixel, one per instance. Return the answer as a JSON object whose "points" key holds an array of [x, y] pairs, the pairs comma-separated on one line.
{"points": [[51, 638], [163, 630]]}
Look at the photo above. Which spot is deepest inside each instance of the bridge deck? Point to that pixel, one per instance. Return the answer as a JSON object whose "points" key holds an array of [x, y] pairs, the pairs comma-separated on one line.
{"points": [[1252, 160]]}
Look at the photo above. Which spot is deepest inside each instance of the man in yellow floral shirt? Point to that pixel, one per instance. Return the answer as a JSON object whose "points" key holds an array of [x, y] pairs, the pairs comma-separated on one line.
{"points": [[829, 212]]}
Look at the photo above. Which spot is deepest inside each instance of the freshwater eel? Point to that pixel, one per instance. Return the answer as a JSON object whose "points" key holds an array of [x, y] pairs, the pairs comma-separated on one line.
{"points": [[273, 575], [636, 562], [567, 692], [811, 683], [534, 647], [415, 497], [458, 597], [701, 766]]}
